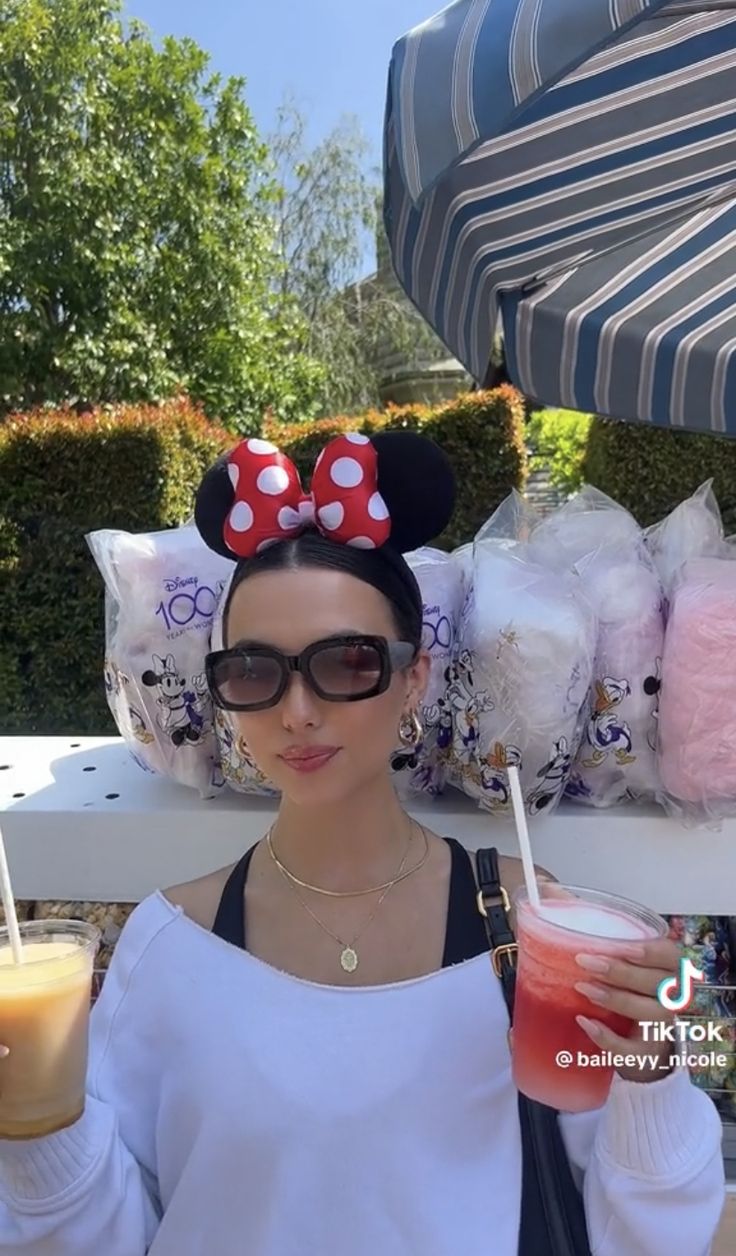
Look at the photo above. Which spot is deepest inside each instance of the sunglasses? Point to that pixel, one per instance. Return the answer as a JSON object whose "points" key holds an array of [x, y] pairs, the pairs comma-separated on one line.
{"points": [[338, 669]]}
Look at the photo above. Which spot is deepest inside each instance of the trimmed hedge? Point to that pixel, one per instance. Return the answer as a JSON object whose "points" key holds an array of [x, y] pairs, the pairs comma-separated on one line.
{"points": [[650, 470], [482, 433], [137, 468], [62, 476]]}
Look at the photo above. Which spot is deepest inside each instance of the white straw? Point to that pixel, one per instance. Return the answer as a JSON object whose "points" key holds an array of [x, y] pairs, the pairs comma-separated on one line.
{"points": [[522, 833], [11, 916]]}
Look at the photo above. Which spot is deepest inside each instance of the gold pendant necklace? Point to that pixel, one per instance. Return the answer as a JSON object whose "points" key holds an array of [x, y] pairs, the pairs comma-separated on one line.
{"points": [[349, 959], [373, 889], [349, 956]]}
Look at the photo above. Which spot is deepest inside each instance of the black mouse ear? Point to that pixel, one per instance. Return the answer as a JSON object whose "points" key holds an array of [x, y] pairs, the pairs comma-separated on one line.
{"points": [[212, 506], [417, 483]]}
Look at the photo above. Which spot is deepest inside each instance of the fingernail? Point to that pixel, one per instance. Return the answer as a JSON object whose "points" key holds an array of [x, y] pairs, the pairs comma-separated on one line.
{"points": [[591, 1027], [3, 1052], [593, 963], [596, 993]]}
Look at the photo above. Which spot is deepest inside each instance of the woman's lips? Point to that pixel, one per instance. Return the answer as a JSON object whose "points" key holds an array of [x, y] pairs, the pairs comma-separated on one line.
{"points": [[310, 759]]}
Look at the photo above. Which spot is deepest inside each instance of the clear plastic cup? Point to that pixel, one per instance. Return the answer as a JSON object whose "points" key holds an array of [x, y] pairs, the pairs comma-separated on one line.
{"points": [[546, 1001], [44, 1021]]}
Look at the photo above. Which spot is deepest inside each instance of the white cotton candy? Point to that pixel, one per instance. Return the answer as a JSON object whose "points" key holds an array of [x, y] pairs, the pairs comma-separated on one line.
{"points": [[161, 590], [603, 544], [579, 528], [519, 679]]}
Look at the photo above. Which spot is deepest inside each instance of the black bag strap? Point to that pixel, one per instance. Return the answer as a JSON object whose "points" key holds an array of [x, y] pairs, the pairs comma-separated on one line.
{"points": [[494, 906], [552, 1212]]}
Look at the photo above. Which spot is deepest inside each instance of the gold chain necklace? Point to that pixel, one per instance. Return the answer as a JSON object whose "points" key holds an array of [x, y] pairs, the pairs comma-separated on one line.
{"points": [[374, 889], [349, 956]]}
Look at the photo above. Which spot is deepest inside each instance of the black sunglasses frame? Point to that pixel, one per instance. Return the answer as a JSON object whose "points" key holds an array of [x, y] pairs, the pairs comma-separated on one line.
{"points": [[393, 656]]}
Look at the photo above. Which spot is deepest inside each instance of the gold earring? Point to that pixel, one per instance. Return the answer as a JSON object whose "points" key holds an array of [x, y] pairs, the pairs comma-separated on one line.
{"points": [[410, 729]]}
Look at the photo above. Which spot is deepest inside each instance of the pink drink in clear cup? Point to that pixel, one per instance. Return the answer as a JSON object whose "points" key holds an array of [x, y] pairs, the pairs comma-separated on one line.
{"points": [[572, 921]]}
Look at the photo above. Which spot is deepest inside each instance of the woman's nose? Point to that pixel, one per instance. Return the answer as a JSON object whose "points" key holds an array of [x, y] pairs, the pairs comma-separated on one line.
{"points": [[299, 705]]}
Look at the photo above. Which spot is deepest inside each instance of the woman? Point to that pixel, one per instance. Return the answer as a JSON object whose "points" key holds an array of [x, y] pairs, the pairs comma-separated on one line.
{"points": [[308, 1052]]}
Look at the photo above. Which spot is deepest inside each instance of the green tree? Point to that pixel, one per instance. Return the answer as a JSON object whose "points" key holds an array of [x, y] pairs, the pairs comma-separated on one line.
{"points": [[559, 442], [328, 221], [137, 255]]}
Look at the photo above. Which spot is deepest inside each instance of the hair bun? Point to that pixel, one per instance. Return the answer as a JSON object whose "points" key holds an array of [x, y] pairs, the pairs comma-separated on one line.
{"points": [[213, 504], [417, 483]]}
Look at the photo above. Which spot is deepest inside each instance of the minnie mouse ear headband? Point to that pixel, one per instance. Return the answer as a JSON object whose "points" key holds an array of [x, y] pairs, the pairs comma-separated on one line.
{"points": [[395, 488]]}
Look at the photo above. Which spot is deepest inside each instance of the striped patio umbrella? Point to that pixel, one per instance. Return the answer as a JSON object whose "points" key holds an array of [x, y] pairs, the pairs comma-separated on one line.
{"points": [[568, 168]]}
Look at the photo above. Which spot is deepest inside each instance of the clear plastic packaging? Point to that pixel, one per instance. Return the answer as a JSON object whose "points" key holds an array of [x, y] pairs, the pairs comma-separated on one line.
{"points": [[599, 540], [694, 529], [161, 590], [697, 710], [441, 580], [521, 673]]}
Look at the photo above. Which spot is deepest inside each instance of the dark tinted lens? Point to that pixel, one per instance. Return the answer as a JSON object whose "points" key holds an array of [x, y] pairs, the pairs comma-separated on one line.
{"points": [[345, 670], [243, 679]]}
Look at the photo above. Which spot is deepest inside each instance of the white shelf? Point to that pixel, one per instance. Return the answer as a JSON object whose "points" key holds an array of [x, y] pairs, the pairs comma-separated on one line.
{"points": [[67, 839]]}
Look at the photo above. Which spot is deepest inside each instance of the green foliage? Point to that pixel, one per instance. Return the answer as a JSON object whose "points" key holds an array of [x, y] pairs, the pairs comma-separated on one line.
{"points": [[482, 433], [559, 440], [328, 216], [63, 476], [137, 256], [137, 468], [650, 470]]}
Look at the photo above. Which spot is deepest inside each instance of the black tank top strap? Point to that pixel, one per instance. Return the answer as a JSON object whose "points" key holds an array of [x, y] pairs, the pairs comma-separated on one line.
{"points": [[465, 936], [230, 919]]}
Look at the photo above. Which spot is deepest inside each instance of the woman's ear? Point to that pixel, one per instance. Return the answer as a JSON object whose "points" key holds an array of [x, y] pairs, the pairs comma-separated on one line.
{"points": [[418, 679]]}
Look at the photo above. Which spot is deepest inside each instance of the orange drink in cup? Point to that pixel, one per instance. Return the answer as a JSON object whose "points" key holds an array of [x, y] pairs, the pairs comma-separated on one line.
{"points": [[44, 1018]]}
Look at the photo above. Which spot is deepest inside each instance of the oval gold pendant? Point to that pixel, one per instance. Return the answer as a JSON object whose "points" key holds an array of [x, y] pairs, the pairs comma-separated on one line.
{"points": [[349, 960]]}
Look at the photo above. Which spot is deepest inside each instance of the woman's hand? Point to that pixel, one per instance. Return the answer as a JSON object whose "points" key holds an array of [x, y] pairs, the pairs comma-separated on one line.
{"points": [[629, 987]]}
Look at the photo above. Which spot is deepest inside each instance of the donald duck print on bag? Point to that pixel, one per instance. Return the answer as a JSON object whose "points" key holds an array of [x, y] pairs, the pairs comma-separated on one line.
{"points": [[606, 732]]}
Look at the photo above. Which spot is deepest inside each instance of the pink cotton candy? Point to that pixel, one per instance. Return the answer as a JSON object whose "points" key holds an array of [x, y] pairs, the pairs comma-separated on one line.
{"points": [[697, 718]]}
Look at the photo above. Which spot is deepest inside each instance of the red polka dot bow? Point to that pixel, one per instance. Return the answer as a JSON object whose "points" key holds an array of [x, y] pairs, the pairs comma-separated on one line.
{"points": [[270, 504]]}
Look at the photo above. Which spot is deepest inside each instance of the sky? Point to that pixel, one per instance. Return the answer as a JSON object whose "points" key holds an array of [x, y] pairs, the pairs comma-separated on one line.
{"points": [[332, 56]]}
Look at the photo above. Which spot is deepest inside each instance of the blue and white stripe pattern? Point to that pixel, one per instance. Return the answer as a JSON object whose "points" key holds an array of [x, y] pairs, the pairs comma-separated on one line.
{"points": [[570, 165]]}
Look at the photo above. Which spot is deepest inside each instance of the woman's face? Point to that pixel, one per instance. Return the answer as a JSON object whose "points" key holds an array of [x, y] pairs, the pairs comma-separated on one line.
{"points": [[290, 610]]}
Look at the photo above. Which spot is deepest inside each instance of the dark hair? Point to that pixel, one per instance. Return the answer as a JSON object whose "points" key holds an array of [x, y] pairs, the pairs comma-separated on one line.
{"points": [[384, 569]]}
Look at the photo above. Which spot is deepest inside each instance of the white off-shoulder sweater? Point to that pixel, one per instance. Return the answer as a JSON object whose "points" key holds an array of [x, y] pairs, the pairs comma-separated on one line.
{"points": [[236, 1110]]}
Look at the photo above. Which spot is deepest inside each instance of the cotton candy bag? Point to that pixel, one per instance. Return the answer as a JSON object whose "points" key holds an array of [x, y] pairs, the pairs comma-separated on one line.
{"points": [[697, 728], [161, 590], [694, 529], [599, 540], [521, 674], [440, 579], [697, 709]]}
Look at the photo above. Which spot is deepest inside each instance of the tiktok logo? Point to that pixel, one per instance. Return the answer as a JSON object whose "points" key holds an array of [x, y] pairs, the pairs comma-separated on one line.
{"points": [[667, 990]]}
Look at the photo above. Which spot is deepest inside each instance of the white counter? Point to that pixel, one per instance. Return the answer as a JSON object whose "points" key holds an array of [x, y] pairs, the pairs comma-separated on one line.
{"points": [[82, 821]]}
